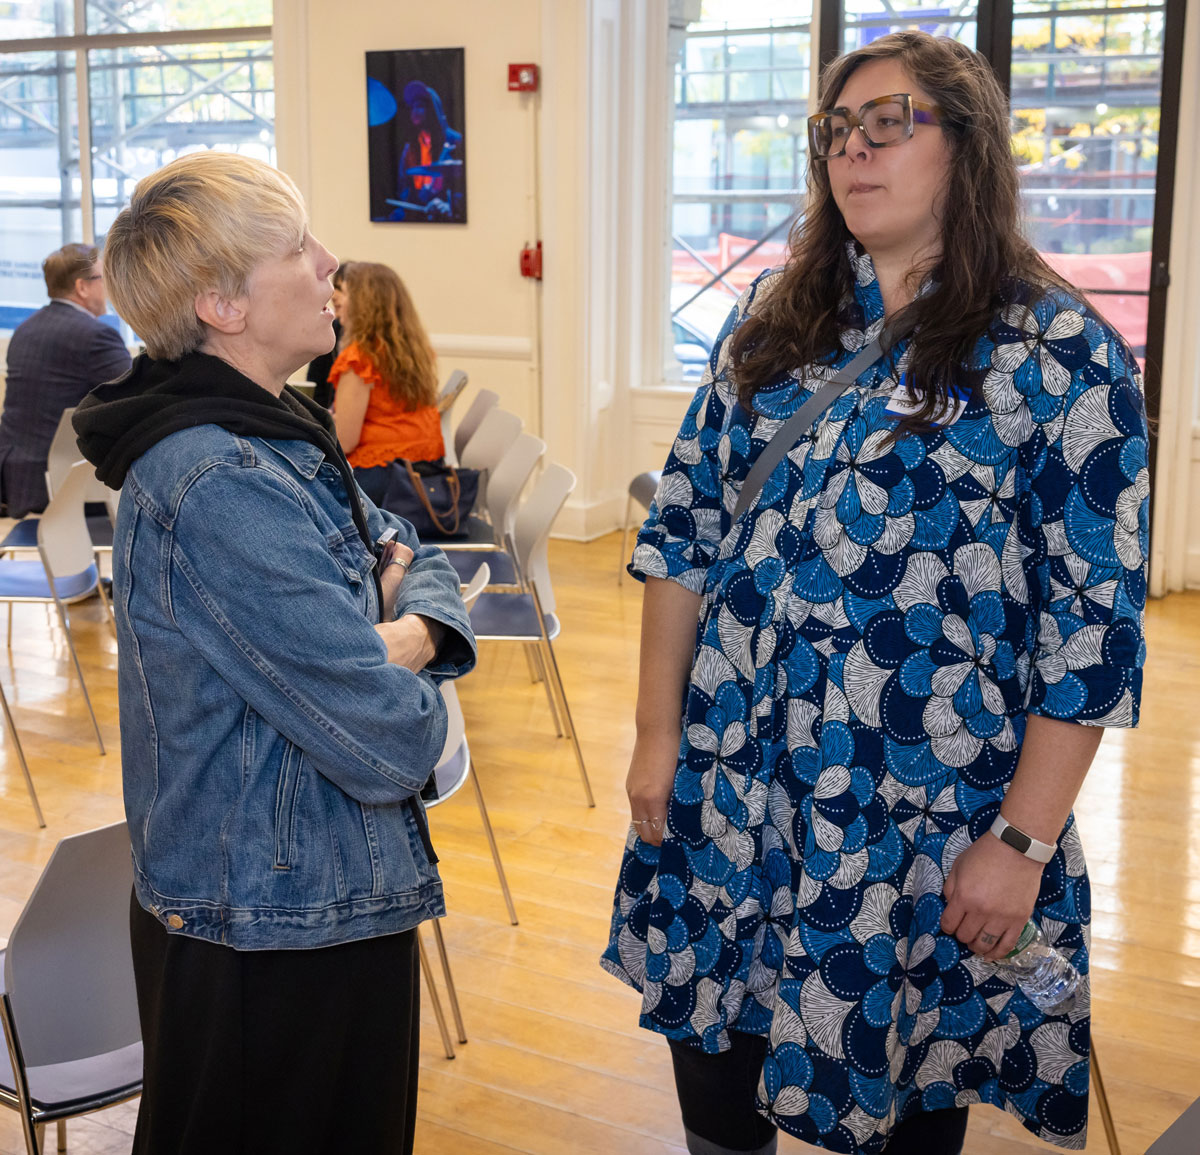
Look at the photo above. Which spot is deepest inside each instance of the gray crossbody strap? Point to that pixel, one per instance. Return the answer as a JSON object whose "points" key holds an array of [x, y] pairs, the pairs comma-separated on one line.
{"points": [[801, 422]]}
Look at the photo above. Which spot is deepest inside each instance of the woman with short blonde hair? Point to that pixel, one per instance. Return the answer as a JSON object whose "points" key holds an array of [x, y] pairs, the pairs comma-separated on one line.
{"points": [[279, 706]]}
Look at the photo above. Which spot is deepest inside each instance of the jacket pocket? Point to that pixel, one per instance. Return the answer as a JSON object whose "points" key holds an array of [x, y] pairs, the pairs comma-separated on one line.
{"points": [[353, 558], [286, 794]]}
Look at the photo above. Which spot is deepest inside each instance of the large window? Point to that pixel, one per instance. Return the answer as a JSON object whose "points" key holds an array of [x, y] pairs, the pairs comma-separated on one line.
{"points": [[139, 82], [742, 85], [1086, 81], [1086, 93]]}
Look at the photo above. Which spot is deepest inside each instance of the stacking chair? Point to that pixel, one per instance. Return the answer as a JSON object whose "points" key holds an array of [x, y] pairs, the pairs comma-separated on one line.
{"points": [[529, 617], [489, 540], [450, 393], [66, 570], [448, 777], [68, 1005], [22, 538], [488, 445], [642, 490], [485, 399]]}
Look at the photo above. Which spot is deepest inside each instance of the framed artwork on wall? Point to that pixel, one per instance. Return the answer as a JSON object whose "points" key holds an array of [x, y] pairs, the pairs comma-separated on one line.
{"points": [[416, 135]]}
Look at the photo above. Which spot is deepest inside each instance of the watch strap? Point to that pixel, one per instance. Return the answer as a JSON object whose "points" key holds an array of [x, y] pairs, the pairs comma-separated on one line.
{"points": [[1022, 842]]}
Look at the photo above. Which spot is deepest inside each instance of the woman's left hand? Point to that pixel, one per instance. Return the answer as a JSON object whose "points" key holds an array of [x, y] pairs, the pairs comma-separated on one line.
{"points": [[412, 641], [990, 894]]}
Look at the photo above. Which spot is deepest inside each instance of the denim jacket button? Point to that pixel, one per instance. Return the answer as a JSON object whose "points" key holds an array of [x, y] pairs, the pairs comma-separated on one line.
{"points": [[175, 922]]}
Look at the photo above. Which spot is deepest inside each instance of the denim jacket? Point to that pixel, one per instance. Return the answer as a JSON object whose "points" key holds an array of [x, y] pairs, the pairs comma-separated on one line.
{"points": [[271, 754]]}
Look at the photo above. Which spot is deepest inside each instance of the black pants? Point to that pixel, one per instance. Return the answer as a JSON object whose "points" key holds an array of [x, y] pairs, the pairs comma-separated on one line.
{"points": [[304, 1052], [716, 1097]]}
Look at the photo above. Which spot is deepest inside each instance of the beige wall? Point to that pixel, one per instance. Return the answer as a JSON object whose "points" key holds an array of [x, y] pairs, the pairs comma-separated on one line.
{"points": [[464, 278], [510, 334]]}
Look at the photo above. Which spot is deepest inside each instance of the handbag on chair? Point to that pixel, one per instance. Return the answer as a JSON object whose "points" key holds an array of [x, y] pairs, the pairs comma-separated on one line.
{"points": [[433, 496]]}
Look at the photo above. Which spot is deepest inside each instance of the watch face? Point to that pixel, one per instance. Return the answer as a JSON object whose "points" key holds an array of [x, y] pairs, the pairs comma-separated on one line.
{"points": [[1016, 839]]}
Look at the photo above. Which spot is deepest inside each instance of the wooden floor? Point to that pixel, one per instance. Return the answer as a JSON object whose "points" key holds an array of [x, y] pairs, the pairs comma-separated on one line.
{"points": [[556, 1063]]}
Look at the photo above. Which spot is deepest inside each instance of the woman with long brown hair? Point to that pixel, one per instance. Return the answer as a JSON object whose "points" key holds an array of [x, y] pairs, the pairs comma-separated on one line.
{"points": [[385, 377], [895, 578]]}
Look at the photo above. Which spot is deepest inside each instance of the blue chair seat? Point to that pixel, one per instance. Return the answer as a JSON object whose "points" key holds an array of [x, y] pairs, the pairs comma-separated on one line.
{"points": [[479, 535], [100, 530], [509, 616], [27, 579], [465, 563], [23, 535]]}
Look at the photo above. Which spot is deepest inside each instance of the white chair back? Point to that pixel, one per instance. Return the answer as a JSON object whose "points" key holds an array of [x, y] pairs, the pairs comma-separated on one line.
{"points": [[451, 391], [64, 452], [492, 440], [68, 968], [508, 479], [63, 539], [485, 399], [531, 529], [477, 584]]}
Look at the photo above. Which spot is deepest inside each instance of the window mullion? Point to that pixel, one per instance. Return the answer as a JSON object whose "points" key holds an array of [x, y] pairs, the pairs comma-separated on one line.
{"points": [[83, 99]]}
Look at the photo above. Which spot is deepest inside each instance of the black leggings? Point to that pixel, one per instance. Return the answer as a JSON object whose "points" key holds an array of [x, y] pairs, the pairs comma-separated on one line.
{"points": [[716, 1097]]}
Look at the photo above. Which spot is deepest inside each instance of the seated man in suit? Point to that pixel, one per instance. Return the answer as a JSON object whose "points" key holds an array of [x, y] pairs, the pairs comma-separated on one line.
{"points": [[55, 357]]}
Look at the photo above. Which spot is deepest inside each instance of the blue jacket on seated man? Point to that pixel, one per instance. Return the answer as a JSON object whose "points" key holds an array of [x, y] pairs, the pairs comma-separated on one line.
{"points": [[273, 805], [55, 358]]}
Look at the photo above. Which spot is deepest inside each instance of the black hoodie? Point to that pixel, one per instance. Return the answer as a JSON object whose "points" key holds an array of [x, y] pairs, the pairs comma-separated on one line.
{"points": [[117, 423]]}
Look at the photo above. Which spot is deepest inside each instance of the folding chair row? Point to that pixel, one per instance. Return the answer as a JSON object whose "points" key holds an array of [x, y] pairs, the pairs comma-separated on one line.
{"points": [[65, 573], [525, 610]]}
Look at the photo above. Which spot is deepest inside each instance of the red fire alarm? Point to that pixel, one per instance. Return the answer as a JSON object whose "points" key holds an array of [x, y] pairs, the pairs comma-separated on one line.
{"points": [[522, 78], [531, 262]]}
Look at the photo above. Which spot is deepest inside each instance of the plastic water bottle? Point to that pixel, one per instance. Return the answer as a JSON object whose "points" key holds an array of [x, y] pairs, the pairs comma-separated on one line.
{"points": [[1045, 976]]}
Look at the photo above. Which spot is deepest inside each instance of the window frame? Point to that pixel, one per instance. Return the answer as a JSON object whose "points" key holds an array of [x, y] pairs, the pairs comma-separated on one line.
{"points": [[83, 43]]}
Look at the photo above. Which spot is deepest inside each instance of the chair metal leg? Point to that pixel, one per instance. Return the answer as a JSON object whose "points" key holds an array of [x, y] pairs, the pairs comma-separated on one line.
{"points": [[624, 540], [39, 1131], [536, 655], [62, 1134], [491, 837], [10, 625], [1110, 1130], [62, 614], [112, 620], [535, 672], [439, 1014], [451, 992], [552, 667], [12, 729]]}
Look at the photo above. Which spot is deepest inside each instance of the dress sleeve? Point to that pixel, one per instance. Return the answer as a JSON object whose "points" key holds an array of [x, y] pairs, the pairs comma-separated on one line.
{"points": [[1084, 515], [682, 532], [353, 360]]}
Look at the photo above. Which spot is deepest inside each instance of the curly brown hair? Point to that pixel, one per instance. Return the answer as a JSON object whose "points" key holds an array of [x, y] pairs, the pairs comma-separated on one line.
{"points": [[382, 321], [983, 251]]}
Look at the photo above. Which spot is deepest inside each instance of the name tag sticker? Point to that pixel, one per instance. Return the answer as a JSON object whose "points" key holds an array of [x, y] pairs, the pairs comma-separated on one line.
{"points": [[900, 404]]}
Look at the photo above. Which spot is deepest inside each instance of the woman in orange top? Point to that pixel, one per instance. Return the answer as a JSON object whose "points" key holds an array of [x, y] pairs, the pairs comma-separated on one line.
{"points": [[385, 406]]}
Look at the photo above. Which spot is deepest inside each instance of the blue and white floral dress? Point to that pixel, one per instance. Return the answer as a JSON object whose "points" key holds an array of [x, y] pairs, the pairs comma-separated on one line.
{"points": [[872, 634]]}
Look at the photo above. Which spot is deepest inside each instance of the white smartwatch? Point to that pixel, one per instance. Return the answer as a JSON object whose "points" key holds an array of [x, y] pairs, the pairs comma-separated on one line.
{"points": [[1021, 842]]}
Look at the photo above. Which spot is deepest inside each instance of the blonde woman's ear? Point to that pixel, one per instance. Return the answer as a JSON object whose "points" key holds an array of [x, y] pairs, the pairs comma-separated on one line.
{"points": [[220, 313]]}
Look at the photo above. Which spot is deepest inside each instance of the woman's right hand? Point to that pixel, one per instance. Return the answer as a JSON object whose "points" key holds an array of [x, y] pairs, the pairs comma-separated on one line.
{"points": [[650, 780]]}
